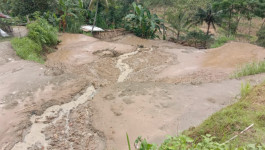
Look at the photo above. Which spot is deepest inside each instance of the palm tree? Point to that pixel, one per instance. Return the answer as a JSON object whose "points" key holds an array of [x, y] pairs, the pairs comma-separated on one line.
{"points": [[209, 17], [92, 2], [179, 21]]}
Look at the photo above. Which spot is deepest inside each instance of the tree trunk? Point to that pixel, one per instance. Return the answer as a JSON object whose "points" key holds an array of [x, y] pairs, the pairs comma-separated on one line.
{"points": [[208, 29], [178, 35], [95, 19], [229, 22]]}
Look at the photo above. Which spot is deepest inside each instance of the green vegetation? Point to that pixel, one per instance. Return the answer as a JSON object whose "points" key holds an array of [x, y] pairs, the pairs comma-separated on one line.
{"points": [[179, 21], [245, 89], [237, 126], [42, 33], [220, 41], [27, 49], [142, 23], [250, 69], [183, 142], [198, 39], [41, 36], [233, 119]]}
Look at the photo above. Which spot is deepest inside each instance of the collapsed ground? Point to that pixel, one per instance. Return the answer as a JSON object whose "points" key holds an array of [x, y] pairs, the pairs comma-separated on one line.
{"points": [[151, 88]]}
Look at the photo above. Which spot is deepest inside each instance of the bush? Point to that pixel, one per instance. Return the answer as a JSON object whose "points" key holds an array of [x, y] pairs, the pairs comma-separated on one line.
{"points": [[42, 32], [198, 39], [27, 49], [220, 41], [261, 37]]}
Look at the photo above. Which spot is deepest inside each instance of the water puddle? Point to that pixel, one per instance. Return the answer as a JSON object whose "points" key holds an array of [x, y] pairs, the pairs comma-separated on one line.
{"points": [[49, 117]]}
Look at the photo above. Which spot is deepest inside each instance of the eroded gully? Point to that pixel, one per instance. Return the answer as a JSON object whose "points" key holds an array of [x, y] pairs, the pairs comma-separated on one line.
{"points": [[54, 113]]}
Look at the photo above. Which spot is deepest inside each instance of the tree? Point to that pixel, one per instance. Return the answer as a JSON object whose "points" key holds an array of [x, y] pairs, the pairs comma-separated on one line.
{"points": [[143, 23], [260, 10], [179, 21], [67, 9], [232, 12], [28, 7], [208, 16], [92, 2]]}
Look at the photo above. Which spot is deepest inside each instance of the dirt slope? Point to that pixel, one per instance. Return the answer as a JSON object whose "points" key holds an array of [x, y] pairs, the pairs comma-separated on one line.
{"points": [[91, 92]]}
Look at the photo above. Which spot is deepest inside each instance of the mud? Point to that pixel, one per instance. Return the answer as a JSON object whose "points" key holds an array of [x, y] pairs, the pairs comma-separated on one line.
{"points": [[148, 88]]}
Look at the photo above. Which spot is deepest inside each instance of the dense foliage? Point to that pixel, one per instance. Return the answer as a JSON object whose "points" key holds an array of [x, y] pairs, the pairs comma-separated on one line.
{"points": [[143, 23], [42, 33]]}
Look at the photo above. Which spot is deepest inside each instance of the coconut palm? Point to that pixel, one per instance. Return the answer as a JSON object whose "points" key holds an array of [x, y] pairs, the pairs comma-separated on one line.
{"points": [[208, 16], [179, 21], [92, 3]]}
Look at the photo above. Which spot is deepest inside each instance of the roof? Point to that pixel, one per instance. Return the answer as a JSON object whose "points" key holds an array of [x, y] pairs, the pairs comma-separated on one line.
{"points": [[88, 28], [4, 16], [3, 33]]}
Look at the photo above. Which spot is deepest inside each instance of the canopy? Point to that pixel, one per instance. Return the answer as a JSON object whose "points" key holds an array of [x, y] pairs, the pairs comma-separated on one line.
{"points": [[88, 28]]}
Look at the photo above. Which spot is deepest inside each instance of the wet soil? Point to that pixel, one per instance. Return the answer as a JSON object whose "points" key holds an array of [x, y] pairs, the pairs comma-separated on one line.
{"points": [[90, 93]]}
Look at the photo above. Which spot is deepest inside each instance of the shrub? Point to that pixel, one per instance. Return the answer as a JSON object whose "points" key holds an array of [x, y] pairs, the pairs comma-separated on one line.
{"points": [[198, 39], [261, 37], [220, 41], [27, 49], [42, 32]]}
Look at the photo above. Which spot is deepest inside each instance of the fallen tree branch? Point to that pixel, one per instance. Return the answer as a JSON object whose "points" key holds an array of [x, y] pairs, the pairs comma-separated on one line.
{"points": [[239, 133]]}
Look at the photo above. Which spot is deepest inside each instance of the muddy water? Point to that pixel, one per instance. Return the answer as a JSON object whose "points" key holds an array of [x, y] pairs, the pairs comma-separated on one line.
{"points": [[50, 117], [124, 68], [55, 113], [152, 108]]}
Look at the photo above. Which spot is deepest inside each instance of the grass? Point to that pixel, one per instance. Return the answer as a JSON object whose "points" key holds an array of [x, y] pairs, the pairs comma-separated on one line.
{"points": [[245, 89], [40, 40], [235, 118], [220, 41], [250, 69], [216, 132], [27, 49]]}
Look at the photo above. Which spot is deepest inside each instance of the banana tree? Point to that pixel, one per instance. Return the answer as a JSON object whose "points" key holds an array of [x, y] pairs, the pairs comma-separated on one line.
{"points": [[179, 21], [68, 8], [143, 23], [92, 3]]}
